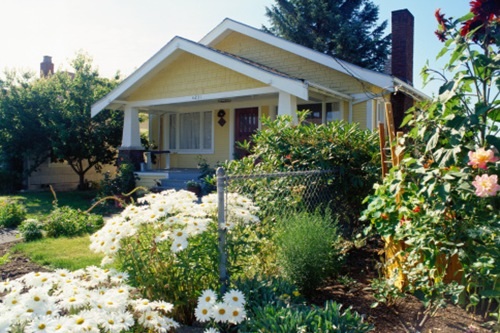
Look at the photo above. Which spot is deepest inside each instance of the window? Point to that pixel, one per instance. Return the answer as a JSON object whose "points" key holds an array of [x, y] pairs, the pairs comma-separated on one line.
{"points": [[315, 114], [332, 109], [190, 131]]}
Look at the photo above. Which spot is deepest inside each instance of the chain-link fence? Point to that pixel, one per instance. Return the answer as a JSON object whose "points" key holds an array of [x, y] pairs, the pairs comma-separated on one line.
{"points": [[278, 196], [285, 193]]}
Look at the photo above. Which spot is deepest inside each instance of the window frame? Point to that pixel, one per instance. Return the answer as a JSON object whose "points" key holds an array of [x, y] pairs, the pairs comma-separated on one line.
{"points": [[203, 115], [324, 110]]}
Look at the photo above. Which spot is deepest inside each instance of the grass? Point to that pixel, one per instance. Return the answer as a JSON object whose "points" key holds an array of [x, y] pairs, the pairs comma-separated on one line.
{"points": [[69, 253], [40, 204]]}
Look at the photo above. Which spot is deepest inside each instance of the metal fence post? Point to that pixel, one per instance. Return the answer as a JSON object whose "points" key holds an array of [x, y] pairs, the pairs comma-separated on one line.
{"points": [[223, 276]]}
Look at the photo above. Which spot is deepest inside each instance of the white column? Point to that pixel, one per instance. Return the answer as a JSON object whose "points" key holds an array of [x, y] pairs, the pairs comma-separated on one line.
{"points": [[131, 137], [287, 104]]}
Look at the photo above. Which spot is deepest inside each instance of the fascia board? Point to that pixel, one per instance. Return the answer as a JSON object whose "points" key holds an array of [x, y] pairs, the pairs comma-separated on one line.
{"points": [[292, 86], [136, 76], [367, 75]]}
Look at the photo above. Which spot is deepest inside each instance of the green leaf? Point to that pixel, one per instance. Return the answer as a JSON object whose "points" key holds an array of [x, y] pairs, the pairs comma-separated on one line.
{"points": [[433, 141], [441, 53], [490, 293], [493, 140], [494, 115]]}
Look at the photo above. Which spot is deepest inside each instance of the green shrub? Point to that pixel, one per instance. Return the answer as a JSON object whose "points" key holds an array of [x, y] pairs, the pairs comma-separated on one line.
{"points": [[11, 214], [66, 221], [352, 153], [261, 291], [302, 318], [123, 182], [31, 230], [308, 249]]}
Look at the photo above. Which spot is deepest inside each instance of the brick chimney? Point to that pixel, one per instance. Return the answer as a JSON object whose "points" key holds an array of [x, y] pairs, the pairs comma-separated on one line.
{"points": [[402, 60], [46, 66]]}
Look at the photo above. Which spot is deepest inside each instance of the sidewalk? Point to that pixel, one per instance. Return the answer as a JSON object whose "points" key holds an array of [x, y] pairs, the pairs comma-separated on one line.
{"points": [[8, 235]]}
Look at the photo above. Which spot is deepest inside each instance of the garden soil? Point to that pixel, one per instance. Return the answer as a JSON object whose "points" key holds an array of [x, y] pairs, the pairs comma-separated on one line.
{"points": [[404, 316]]}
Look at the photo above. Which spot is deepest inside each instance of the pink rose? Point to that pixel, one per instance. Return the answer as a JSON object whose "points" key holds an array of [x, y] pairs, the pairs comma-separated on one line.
{"points": [[480, 157], [486, 186]]}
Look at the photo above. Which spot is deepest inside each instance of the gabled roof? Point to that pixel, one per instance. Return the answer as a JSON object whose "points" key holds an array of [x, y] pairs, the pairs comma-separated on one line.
{"points": [[378, 79], [229, 25], [269, 76], [281, 81]]}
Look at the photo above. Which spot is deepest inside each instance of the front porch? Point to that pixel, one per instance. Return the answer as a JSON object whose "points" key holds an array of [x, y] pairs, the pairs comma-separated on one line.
{"points": [[163, 179]]}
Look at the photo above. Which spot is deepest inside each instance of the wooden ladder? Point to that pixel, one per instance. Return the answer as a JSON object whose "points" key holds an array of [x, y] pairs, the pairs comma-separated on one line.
{"points": [[389, 154]]}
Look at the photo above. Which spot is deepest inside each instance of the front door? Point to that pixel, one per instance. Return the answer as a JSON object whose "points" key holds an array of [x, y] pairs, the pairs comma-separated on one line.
{"points": [[246, 123]]}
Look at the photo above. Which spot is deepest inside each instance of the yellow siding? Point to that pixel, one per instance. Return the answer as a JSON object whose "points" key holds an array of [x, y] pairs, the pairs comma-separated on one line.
{"points": [[289, 63], [191, 75], [62, 177], [359, 114]]}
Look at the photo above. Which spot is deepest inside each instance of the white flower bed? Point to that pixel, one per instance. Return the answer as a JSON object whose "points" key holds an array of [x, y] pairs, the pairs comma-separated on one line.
{"points": [[87, 300]]}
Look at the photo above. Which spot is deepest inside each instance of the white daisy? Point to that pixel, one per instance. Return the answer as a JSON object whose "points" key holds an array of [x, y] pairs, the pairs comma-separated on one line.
{"points": [[221, 312], [234, 297], [203, 311], [236, 314], [208, 296]]}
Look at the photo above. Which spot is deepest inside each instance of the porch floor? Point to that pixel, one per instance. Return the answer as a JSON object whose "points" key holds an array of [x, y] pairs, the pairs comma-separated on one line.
{"points": [[165, 179]]}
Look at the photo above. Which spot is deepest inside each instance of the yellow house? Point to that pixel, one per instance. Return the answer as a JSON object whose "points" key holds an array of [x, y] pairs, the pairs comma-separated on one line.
{"points": [[203, 97]]}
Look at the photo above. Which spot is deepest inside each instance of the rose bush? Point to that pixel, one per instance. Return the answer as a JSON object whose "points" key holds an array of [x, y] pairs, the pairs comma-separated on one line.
{"points": [[440, 207]]}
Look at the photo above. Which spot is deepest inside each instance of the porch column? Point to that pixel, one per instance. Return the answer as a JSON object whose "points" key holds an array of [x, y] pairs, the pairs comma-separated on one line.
{"points": [[287, 104], [131, 137], [131, 149]]}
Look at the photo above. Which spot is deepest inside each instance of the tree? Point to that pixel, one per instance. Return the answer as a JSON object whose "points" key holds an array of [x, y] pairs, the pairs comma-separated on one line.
{"points": [[24, 135], [80, 140], [50, 117], [345, 29]]}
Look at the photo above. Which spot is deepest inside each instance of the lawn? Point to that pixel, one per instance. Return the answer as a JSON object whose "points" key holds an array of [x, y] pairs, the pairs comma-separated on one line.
{"points": [[69, 253], [40, 204]]}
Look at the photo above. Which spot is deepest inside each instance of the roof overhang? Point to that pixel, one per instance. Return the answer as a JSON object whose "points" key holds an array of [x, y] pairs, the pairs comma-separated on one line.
{"points": [[276, 80], [362, 74]]}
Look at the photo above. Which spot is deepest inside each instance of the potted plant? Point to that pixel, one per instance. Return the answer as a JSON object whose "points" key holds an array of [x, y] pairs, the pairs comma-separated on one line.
{"points": [[194, 187]]}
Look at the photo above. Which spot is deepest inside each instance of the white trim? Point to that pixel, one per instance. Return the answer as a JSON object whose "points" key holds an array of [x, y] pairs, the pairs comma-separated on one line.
{"points": [[410, 90], [232, 124], [205, 97], [327, 91], [290, 85], [228, 25], [369, 114]]}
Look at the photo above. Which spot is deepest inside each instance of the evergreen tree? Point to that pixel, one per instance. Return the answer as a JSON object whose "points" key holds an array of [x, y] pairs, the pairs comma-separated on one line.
{"points": [[345, 29]]}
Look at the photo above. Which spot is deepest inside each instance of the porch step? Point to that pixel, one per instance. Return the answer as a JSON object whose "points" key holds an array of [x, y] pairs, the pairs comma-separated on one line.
{"points": [[176, 184]]}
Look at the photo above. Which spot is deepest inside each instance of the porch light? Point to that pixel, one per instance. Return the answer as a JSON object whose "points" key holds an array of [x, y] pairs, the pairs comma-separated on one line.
{"points": [[221, 114]]}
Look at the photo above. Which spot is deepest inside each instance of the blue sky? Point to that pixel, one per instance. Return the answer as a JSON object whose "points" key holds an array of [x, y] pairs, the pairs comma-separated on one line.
{"points": [[123, 34]]}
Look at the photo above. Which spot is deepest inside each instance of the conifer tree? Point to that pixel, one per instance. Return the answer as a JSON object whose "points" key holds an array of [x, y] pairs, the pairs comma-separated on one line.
{"points": [[345, 29]]}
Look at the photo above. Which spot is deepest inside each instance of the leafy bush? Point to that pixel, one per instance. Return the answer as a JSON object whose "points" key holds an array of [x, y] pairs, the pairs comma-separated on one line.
{"points": [[308, 249], [265, 290], [69, 222], [31, 230], [123, 182], [11, 214], [443, 201], [302, 318], [282, 147]]}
